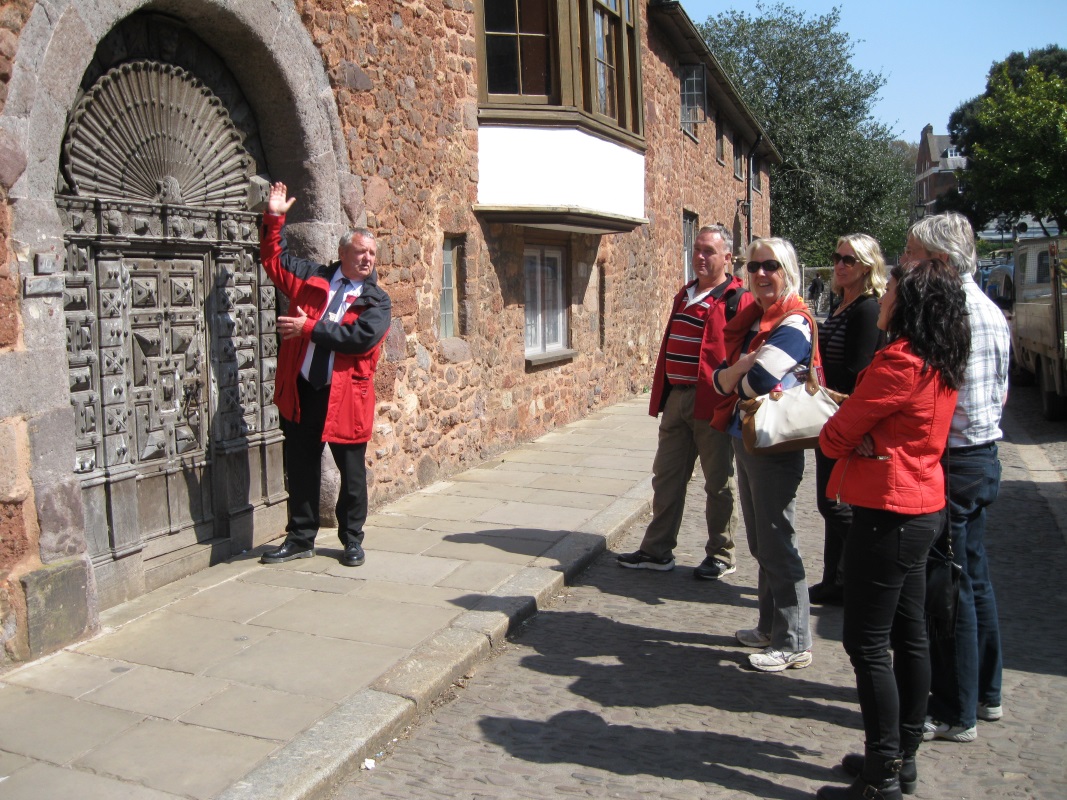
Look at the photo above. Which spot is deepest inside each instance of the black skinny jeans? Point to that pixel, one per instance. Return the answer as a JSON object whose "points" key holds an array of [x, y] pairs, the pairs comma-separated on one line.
{"points": [[885, 590], [837, 519]]}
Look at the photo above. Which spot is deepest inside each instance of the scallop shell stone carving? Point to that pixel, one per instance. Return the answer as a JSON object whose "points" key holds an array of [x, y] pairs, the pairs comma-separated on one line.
{"points": [[152, 132]]}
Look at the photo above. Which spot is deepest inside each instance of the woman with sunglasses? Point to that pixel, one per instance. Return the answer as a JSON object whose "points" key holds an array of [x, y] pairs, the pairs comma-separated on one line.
{"points": [[847, 341], [768, 345], [888, 438]]}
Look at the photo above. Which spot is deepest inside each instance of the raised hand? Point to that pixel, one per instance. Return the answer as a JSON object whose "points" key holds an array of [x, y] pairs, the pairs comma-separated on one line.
{"points": [[276, 201]]}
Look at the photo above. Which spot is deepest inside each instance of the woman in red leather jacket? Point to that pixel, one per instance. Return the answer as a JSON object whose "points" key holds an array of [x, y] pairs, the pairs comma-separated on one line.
{"points": [[888, 438]]}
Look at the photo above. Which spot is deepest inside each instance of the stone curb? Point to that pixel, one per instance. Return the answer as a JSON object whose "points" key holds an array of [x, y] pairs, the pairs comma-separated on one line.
{"points": [[361, 726]]}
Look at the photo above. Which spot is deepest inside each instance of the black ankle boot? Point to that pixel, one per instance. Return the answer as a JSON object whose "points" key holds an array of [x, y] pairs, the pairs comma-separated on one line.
{"points": [[878, 781], [852, 764]]}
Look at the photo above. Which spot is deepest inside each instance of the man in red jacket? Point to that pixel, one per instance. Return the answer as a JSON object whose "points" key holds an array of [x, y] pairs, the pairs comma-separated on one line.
{"points": [[691, 351], [331, 340]]}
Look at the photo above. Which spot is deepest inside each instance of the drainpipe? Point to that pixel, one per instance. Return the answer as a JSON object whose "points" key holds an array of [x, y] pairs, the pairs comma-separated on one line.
{"points": [[748, 197]]}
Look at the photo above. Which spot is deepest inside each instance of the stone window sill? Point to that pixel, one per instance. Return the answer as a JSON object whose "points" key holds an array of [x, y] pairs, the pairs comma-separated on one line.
{"points": [[551, 357]]}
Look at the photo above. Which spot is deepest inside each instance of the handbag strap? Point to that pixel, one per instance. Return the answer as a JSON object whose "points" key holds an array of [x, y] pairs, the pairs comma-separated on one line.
{"points": [[812, 380], [948, 508]]}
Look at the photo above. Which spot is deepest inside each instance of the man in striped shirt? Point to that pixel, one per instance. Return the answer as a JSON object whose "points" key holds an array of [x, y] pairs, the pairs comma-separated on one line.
{"points": [[681, 390], [966, 670]]}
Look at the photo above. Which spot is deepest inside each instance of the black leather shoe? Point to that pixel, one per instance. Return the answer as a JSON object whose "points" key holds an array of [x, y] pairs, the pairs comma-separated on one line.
{"points": [[353, 556], [287, 552]]}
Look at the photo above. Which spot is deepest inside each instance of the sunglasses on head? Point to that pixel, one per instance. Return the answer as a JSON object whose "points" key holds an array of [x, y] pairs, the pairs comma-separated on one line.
{"points": [[768, 266], [849, 261]]}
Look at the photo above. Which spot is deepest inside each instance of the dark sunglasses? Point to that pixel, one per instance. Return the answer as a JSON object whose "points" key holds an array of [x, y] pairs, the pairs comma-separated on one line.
{"points": [[850, 261], [768, 266]]}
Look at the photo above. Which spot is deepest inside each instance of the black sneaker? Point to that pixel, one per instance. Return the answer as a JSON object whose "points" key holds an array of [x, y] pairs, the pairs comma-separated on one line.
{"points": [[711, 569], [642, 560]]}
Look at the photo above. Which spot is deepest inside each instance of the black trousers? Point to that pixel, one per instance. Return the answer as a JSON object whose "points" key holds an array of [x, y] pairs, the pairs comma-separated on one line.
{"points": [[303, 470], [885, 593], [837, 519]]}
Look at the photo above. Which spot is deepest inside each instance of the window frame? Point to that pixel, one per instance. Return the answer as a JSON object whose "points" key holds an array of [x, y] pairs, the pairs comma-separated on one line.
{"points": [[552, 36], [572, 102], [542, 348], [739, 156], [690, 226], [694, 98], [453, 274], [720, 139], [757, 175]]}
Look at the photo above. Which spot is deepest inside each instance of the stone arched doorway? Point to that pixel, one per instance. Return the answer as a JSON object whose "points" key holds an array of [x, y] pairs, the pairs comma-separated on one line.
{"points": [[170, 331], [61, 568]]}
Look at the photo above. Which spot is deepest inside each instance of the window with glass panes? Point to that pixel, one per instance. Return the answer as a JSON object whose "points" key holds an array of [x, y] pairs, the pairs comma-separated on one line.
{"points": [[535, 56], [690, 226], [694, 102], [546, 312], [720, 136], [519, 43], [739, 159], [451, 322]]}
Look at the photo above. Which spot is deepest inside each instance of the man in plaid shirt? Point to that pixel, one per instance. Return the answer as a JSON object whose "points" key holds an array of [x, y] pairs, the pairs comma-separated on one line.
{"points": [[966, 670]]}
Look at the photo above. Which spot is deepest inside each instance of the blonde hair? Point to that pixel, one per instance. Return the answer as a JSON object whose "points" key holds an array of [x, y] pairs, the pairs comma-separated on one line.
{"points": [[785, 255], [869, 253]]}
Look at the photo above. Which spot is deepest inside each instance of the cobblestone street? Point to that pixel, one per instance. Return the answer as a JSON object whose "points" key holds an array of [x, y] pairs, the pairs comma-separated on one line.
{"points": [[631, 685]]}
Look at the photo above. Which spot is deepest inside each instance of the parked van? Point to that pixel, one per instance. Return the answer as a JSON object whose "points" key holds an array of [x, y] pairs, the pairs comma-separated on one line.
{"points": [[1040, 310]]}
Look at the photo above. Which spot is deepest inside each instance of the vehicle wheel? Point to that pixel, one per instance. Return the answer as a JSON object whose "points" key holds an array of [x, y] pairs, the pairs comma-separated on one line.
{"points": [[1053, 407]]}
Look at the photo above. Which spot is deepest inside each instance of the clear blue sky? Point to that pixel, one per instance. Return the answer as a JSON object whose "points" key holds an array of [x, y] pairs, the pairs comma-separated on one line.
{"points": [[934, 54]]}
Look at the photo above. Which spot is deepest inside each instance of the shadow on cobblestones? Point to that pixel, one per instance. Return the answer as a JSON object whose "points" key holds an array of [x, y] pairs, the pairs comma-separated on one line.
{"points": [[585, 739]]}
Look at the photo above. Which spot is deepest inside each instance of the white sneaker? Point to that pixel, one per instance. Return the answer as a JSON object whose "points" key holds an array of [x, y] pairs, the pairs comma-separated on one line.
{"points": [[771, 660], [932, 729], [990, 713], [753, 637]]}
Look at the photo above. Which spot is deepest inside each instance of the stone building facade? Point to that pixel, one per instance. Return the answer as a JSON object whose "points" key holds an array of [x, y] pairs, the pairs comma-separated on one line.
{"points": [[138, 437]]}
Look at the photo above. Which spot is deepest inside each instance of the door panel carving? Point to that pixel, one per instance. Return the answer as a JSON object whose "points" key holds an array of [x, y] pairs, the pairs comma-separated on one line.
{"points": [[170, 330]]}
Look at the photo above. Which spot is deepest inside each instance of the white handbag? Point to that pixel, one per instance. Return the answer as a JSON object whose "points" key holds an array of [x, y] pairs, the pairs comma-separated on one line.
{"points": [[783, 421]]}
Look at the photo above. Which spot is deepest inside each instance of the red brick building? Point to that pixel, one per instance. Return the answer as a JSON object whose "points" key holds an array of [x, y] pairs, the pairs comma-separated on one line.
{"points": [[935, 169], [534, 174]]}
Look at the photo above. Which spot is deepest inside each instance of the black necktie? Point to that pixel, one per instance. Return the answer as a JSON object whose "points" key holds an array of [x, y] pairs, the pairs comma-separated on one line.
{"points": [[319, 371]]}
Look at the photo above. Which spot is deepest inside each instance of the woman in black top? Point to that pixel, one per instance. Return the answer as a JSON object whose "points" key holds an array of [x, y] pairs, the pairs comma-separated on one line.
{"points": [[847, 341]]}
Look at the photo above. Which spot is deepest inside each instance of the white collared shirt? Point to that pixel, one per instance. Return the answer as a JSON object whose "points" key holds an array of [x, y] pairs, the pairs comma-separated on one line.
{"points": [[355, 289]]}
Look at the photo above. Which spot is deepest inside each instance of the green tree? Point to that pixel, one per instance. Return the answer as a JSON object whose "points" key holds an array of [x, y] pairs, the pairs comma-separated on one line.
{"points": [[1015, 139], [841, 171]]}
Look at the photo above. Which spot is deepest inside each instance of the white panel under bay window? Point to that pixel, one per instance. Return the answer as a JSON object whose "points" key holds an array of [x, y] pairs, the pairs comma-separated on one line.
{"points": [[558, 168]]}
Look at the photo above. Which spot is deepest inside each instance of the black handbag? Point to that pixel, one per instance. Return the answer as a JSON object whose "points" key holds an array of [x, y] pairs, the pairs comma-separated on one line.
{"points": [[943, 576]]}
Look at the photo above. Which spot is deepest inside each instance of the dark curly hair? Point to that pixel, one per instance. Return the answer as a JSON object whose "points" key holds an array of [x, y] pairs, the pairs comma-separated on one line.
{"points": [[931, 313]]}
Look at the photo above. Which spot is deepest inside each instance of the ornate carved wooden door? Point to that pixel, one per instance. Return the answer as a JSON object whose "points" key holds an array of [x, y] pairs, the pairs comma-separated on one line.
{"points": [[171, 340]]}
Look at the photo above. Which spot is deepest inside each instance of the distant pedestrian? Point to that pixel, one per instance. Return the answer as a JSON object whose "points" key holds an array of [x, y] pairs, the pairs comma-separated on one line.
{"points": [[815, 290], [967, 667], [887, 439], [681, 391], [847, 341], [768, 345]]}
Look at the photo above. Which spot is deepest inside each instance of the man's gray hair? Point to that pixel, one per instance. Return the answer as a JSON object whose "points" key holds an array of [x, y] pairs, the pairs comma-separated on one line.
{"points": [[727, 237], [363, 233], [948, 233]]}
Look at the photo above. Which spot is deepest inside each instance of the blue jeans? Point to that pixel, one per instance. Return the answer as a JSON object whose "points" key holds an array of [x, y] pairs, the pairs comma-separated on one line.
{"points": [[967, 669], [767, 490], [885, 589]]}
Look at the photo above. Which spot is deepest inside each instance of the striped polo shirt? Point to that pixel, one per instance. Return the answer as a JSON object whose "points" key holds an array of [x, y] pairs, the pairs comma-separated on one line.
{"points": [[685, 336]]}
